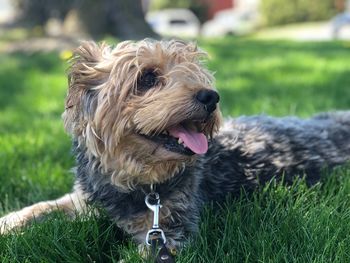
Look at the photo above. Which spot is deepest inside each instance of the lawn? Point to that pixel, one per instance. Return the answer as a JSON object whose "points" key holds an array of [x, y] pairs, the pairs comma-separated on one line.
{"points": [[277, 224]]}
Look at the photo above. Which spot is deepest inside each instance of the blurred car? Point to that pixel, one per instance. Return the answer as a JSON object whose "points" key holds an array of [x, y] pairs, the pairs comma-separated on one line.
{"points": [[340, 21], [174, 22], [231, 22]]}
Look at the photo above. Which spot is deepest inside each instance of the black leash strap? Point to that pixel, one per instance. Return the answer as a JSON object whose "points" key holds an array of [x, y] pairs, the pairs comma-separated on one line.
{"points": [[160, 252], [164, 256]]}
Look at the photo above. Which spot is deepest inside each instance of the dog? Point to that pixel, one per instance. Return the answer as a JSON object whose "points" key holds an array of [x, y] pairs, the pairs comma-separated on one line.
{"points": [[144, 120]]}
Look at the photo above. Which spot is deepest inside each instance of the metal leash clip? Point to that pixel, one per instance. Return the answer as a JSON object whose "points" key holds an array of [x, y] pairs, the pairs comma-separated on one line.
{"points": [[155, 231]]}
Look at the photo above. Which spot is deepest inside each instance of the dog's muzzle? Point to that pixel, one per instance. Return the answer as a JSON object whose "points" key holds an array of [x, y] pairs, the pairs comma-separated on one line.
{"points": [[208, 98]]}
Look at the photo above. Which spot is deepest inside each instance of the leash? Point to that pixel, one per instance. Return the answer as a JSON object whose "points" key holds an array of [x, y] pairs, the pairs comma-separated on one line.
{"points": [[155, 237]]}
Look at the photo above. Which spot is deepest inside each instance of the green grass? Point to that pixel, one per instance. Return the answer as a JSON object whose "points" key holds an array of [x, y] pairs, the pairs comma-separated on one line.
{"points": [[277, 224]]}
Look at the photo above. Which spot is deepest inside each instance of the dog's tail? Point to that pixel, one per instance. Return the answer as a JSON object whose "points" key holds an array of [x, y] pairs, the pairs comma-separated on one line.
{"points": [[342, 117], [292, 144], [337, 127]]}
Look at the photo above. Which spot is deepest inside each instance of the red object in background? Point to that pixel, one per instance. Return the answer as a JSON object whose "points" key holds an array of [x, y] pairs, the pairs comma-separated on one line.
{"points": [[218, 5], [340, 5]]}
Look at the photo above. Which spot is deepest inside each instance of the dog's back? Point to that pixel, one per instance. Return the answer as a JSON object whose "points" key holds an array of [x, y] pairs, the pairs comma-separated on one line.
{"points": [[250, 151]]}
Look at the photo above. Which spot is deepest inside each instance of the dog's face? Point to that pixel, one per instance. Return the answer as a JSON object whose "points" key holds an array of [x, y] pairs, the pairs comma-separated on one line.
{"points": [[143, 109]]}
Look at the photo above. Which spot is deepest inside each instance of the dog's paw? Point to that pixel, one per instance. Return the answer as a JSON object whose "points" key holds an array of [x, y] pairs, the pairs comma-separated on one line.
{"points": [[17, 219], [12, 221]]}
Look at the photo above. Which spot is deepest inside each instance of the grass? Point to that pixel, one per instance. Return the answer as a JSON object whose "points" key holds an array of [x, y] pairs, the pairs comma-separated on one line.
{"points": [[277, 224]]}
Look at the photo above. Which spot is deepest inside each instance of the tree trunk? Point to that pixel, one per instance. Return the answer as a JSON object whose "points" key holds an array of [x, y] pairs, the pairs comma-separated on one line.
{"points": [[123, 19]]}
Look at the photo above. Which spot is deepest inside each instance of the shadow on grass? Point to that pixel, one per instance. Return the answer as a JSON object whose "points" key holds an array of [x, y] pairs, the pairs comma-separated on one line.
{"points": [[286, 99], [15, 72], [280, 78], [245, 48], [34, 151]]}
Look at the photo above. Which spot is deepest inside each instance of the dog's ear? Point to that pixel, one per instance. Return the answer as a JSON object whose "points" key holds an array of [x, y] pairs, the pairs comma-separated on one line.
{"points": [[83, 76]]}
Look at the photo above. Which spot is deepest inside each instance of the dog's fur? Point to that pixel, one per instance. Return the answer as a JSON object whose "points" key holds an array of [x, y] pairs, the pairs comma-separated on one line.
{"points": [[113, 105]]}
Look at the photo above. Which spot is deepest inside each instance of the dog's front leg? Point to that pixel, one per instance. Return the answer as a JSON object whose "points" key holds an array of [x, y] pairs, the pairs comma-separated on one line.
{"points": [[70, 204]]}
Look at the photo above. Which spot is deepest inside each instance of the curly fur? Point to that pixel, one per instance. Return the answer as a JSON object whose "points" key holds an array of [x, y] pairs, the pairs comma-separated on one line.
{"points": [[106, 111]]}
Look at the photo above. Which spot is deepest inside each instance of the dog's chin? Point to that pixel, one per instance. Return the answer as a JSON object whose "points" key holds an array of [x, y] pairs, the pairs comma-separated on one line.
{"points": [[141, 161]]}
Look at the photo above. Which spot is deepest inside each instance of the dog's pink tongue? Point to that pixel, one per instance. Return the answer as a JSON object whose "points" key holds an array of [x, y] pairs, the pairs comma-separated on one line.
{"points": [[196, 141]]}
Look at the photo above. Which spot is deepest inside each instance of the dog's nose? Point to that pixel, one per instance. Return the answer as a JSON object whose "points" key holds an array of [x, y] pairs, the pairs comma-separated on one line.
{"points": [[208, 98]]}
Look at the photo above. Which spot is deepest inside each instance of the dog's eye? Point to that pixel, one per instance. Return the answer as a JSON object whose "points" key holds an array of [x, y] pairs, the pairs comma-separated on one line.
{"points": [[147, 80]]}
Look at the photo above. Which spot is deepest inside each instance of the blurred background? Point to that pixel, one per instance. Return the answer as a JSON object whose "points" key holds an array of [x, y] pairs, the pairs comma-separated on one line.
{"points": [[242, 38], [136, 19], [276, 57]]}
